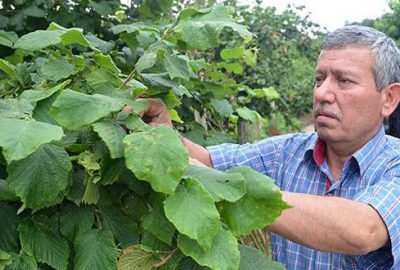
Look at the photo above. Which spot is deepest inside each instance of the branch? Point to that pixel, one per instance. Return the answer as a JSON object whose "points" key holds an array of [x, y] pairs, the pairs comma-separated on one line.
{"points": [[166, 259], [133, 72]]}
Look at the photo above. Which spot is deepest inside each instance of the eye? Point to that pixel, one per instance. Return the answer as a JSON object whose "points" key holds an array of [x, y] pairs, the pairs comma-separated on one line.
{"points": [[318, 81], [344, 81]]}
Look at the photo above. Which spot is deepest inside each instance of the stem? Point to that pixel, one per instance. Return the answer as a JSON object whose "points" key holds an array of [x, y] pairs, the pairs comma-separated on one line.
{"points": [[73, 158], [166, 259], [255, 242], [133, 72], [260, 240]]}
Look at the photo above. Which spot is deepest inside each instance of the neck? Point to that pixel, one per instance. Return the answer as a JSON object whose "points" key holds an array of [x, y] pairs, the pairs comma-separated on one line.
{"points": [[336, 159], [338, 152]]}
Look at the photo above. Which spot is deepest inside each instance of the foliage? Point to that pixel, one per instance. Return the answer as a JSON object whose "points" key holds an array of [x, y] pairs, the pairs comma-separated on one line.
{"points": [[286, 48], [389, 23], [86, 184]]}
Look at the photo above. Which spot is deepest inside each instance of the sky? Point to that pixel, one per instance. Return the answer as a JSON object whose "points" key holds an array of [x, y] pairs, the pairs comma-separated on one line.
{"points": [[334, 13]]}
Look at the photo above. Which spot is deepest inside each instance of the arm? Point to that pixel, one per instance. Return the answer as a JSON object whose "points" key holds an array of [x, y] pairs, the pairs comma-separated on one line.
{"points": [[331, 224]]}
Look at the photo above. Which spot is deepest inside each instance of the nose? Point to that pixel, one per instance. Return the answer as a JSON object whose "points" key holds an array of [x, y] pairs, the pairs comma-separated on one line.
{"points": [[324, 92]]}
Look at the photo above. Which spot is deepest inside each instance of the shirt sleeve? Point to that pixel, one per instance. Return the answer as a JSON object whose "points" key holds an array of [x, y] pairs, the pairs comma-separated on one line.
{"points": [[384, 197], [260, 156]]}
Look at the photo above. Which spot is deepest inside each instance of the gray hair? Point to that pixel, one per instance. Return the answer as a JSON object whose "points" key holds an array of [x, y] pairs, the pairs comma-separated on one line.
{"points": [[386, 56]]}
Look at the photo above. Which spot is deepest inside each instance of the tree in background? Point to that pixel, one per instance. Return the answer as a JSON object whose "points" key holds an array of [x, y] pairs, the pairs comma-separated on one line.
{"points": [[286, 47]]}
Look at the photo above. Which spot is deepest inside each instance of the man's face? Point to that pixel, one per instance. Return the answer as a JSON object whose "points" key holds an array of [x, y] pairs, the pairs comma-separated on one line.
{"points": [[347, 105]]}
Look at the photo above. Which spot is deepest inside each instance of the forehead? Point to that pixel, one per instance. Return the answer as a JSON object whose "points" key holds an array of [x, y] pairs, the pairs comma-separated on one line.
{"points": [[350, 59]]}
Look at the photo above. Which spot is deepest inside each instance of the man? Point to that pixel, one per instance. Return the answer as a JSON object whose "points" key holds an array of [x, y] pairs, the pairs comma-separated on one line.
{"points": [[344, 180]]}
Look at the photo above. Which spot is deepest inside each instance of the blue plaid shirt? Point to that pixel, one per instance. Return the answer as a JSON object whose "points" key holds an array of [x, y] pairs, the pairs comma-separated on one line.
{"points": [[371, 176]]}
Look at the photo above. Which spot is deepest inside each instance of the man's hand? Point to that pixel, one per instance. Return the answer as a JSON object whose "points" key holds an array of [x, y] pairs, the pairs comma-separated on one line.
{"points": [[156, 114]]}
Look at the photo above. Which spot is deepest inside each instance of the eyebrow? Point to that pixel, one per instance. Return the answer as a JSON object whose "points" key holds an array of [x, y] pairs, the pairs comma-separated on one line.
{"points": [[339, 72]]}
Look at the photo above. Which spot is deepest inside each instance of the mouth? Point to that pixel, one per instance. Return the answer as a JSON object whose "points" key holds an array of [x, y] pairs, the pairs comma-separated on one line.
{"points": [[325, 114], [324, 117]]}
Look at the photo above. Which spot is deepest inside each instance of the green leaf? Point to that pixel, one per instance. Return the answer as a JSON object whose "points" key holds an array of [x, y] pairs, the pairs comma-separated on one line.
{"points": [[223, 254], [23, 75], [75, 36], [122, 227], [222, 106], [75, 220], [133, 27], [75, 110], [161, 82], [103, 79], [250, 57], [177, 67], [76, 189], [20, 138], [252, 258], [235, 68], [89, 161], [102, 8], [201, 222], [153, 243], [5, 259], [189, 264], [221, 185], [124, 97], [105, 61], [39, 178], [56, 70], [147, 60], [267, 92], [70, 35], [34, 11], [249, 115], [103, 46], [135, 123], [234, 53], [158, 157], [141, 188], [8, 68], [8, 227], [38, 40], [174, 262], [261, 205], [95, 249], [197, 35], [38, 95], [7, 38], [110, 170], [5, 193], [22, 262], [92, 192], [190, 11], [14, 108], [112, 134], [134, 258], [198, 64], [157, 223], [201, 31], [44, 245]]}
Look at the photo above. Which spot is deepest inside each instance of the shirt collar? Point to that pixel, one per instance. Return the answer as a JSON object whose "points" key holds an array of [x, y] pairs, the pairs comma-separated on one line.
{"points": [[370, 150], [316, 149]]}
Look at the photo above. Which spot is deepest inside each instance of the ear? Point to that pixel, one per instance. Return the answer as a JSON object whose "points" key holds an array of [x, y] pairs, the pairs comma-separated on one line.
{"points": [[392, 98]]}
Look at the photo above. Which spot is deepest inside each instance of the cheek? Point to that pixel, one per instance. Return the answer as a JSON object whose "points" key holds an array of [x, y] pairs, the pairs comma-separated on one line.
{"points": [[357, 108]]}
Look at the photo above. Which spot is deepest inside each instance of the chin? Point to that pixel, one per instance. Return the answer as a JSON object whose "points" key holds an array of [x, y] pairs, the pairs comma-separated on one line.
{"points": [[327, 135]]}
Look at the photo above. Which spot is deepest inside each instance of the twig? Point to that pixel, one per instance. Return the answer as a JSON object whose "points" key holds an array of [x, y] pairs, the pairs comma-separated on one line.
{"points": [[133, 72], [165, 260]]}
